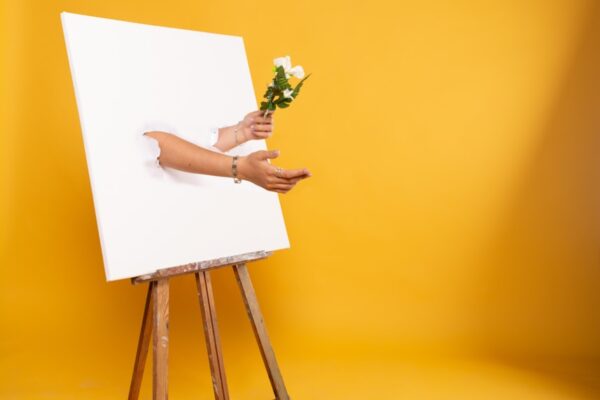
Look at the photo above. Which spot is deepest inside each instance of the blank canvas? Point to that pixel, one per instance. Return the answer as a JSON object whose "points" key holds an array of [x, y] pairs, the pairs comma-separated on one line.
{"points": [[128, 76]]}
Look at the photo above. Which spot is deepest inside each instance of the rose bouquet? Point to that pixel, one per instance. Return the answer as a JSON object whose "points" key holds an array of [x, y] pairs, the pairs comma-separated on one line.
{"points": [[280, 92]]}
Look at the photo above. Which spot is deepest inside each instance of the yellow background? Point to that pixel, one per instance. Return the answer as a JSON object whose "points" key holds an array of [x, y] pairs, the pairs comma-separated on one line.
{"points": [[447, 246]]}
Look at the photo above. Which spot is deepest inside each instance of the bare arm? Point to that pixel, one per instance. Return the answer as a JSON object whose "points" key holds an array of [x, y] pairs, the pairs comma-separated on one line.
{"points": [[185, 156], [180, 154], [254, 126]]}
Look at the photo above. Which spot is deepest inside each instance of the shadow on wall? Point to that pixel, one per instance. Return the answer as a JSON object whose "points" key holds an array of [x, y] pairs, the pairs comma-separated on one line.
{"points": [[540, 280]]}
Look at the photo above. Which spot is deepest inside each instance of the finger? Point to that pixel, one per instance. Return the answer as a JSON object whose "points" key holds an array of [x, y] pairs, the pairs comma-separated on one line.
{"points": [[262, 135], [271, 154], [293, 173], [253, 117], [296, 180], [286, 181], [263, 155], [261, 114], [289, 174], [262, 127], [279, 181], [261, 120], [282, 188]]}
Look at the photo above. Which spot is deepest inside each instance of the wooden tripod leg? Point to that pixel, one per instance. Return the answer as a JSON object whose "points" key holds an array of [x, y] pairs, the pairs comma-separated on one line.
{"points": [[142, 349], [211, 335], [160, 339], [260, 331]]}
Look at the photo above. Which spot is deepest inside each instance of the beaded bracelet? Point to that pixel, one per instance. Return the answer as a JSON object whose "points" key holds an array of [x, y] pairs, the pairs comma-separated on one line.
{"points": [[234, 170]]}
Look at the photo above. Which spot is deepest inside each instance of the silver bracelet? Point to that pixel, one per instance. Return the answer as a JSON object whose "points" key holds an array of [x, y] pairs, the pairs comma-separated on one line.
{"points": [[234, 170]]}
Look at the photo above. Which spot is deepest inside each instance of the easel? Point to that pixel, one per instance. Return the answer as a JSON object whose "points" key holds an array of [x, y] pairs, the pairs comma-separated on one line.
{"points": [[155, 323]]}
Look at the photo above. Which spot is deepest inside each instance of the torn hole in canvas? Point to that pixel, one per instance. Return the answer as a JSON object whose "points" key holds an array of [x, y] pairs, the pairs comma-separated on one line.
{"points": [[150, 151]]}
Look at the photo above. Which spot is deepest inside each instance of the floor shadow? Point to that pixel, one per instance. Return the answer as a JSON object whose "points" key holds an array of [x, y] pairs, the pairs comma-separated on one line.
{"points": [[583, 373], [538, 290]]}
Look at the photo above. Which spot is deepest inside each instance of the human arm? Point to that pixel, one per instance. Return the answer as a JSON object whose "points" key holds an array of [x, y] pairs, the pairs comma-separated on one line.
{"points": [[254, 126], [180, 154]]}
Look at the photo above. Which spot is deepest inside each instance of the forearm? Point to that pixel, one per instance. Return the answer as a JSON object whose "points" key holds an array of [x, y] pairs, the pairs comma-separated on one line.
{"points": [[185, 156], [229, 137], [254, 126]]}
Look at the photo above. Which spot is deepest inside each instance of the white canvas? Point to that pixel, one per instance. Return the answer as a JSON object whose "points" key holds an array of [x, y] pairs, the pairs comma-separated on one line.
{"points": [[128, 76]]}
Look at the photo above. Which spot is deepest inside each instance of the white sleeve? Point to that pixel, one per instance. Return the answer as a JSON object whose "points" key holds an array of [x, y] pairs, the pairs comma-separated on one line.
{"points": [[203, 136], [212, 139], [214, 136]]}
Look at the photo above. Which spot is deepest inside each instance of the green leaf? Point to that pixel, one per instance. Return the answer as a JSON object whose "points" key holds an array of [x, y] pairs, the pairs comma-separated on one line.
{"points": [[282, 98], [280, 71], [282, 83], [280, 79], [274, 97], [299, 86]]}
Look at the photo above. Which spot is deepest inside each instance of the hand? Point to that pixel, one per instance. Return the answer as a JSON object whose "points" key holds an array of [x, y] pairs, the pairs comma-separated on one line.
{"points": [[255, 127], [256, 169]]}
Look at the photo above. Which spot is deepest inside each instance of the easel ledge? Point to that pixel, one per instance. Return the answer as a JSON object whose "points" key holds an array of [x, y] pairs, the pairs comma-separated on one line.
{"points": [[201, 265]]}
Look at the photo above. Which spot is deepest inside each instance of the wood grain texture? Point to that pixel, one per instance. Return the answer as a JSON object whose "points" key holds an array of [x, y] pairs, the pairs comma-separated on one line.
{"points": [[211, 335], [155, 323], [260, 331], [160, 342], [142, 349], [202, 265]]}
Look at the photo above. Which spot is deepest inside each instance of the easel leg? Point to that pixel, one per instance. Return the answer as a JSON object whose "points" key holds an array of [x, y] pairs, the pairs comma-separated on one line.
{"points": [[260, 331], [142, 349], [160, 342], [211, 334]]}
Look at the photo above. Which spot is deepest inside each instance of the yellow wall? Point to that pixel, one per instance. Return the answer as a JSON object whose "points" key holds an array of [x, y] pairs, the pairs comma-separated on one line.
{"points": [[453, 208]]}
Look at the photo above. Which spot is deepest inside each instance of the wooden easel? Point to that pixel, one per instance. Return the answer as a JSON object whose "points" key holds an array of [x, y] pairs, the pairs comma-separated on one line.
{"points": [[155, 323]]}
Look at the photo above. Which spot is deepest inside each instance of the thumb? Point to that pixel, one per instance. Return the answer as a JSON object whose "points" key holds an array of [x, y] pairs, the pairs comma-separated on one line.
{"points": [[273, 154], [264, 154]]}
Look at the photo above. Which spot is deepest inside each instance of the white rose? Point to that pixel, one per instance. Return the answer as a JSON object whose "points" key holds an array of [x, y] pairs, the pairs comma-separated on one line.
{"points": [[284, 62], [297, 71], [288, 93]]}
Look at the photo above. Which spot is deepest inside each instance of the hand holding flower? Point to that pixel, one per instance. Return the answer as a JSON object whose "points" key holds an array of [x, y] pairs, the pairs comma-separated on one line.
{"points": [[255, 126]]}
